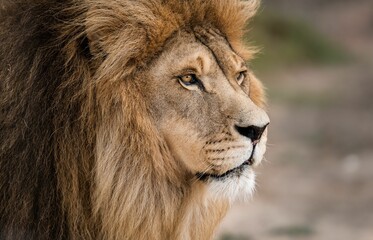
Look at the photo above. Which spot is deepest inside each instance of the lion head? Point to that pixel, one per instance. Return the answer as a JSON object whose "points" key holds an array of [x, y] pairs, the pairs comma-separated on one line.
{"points": [[204, 102], [140, 119]]}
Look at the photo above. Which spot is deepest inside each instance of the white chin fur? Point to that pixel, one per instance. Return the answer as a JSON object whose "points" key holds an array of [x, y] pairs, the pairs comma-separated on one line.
{"points": [[233, 188]]}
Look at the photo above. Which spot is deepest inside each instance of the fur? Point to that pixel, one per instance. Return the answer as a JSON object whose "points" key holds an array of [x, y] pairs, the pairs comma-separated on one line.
{"points": [[78, 158]]}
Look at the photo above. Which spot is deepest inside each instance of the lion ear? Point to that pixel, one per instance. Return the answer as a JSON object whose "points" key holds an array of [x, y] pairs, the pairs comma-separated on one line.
{"points": [[100, 30], [104, 28], [94, 46]]}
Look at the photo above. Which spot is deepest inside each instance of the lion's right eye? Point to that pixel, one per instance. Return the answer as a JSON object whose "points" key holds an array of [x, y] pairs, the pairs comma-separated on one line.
{"points": [[188, 80], [191, 82]]}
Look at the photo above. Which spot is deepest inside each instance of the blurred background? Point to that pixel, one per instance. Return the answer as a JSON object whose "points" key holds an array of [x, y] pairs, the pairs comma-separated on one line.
{"points": [[317, 180]]}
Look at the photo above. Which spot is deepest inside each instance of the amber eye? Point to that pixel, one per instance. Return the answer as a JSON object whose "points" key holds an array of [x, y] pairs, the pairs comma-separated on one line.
{"points": [[240, 77], [188, 80]]}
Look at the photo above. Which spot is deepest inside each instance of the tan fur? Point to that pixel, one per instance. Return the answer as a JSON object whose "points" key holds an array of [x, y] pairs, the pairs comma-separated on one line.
{"points": [[118, 175]]}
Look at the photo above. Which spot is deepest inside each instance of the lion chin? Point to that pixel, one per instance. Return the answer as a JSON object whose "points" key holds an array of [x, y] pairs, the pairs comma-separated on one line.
{"points": [[236, 185], [126, 119]]}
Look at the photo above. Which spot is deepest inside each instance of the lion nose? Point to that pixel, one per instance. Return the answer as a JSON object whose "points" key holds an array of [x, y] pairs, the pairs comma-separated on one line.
{"points": [[252, 132]]}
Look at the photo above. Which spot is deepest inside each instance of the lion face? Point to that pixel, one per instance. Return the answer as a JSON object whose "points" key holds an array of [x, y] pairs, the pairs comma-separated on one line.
{"points": [[202, 97]]}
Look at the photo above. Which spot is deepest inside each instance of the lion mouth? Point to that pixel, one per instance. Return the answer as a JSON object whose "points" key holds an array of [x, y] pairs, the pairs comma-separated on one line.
{"points": [[234, 172]]}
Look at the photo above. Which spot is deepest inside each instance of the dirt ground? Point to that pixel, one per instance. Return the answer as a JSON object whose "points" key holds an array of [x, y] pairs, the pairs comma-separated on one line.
{"points": [[316, 182]]}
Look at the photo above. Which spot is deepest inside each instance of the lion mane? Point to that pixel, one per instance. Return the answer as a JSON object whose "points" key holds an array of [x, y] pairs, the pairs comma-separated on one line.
{"points": [[78, 158]]}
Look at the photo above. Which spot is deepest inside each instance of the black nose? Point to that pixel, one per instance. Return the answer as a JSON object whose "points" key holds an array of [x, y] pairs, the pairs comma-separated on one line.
{"points": [[252, 132]]}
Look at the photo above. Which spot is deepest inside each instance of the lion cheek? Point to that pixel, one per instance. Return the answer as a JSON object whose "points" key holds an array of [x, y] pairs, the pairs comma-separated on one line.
{"points": [[183, 144]]}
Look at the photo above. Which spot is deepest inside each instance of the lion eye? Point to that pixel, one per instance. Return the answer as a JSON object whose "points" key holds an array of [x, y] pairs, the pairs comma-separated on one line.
{"points": [[240, 77], [188, 80]]}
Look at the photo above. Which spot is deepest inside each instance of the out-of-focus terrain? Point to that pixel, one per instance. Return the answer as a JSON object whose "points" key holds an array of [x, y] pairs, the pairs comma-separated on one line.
{"points": [[316, 181]]}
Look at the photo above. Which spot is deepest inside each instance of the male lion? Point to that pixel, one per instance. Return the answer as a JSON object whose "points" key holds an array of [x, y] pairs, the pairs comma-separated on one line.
{"points": [[125, 119]]}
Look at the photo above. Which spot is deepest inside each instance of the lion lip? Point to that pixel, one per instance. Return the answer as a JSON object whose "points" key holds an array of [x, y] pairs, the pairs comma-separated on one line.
{"points": [[231, 172], [234, 171]]}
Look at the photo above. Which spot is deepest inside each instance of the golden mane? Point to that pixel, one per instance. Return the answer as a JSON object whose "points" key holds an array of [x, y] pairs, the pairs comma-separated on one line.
{"points": [[80, 159]]}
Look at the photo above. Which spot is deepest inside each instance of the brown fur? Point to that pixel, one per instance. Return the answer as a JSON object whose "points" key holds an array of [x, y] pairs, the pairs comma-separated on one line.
{"points": [[79, 155]]}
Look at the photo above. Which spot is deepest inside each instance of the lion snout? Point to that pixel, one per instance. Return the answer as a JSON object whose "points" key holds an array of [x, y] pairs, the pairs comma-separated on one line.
{"points": [[254, 133]]}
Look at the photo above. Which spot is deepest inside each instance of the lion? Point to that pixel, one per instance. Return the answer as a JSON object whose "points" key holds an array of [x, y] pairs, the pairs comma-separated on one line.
{"points": [[126, 119]]}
